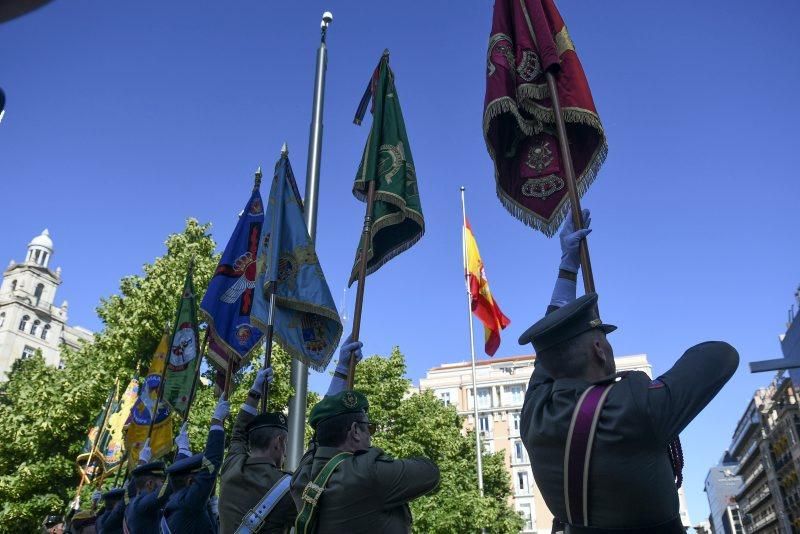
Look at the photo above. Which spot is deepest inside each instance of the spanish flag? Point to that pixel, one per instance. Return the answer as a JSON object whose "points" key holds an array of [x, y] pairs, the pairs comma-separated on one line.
{"points": [[483, 305]]}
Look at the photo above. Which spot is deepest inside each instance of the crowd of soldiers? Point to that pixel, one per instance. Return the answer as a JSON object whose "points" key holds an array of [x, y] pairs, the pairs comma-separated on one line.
{"points": [[600, 444]]}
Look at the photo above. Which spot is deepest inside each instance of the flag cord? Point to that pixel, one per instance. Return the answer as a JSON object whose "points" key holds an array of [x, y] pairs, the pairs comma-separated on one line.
{"points": [[362, 276], [268, 335], [572, 188], [478, 455]]}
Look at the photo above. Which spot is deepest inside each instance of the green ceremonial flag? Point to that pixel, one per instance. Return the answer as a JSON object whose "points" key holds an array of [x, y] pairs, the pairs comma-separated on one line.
{"points": [[397, 221], [184, 354]]}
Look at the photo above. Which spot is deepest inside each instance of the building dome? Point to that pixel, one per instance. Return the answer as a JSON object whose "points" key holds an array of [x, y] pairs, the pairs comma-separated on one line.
{"points": [[42, 240]]}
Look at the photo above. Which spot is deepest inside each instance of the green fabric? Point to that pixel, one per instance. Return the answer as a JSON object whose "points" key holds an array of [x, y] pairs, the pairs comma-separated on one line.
{"points": [[306, 519], [397, 221], [341, 403], [184, 351]]}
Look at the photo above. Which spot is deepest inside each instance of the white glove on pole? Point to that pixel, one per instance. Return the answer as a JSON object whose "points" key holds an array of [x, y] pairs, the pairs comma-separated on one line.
{"points": [[221, 412], [145, 454], [349, 349], [182, 440], [571, 241], [263, 375]]}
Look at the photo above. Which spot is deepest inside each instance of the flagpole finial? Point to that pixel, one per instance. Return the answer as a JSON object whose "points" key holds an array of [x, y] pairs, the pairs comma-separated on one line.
{"points": [[284, 150], [257, 181], [327, 18], [462, 189]]}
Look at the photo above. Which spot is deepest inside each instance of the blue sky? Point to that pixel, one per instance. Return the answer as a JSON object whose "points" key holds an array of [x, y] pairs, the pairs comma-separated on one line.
{"points": [[124, 119]]}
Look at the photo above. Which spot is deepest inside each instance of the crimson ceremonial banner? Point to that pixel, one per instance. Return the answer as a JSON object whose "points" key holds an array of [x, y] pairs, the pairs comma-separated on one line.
{"points": [[528, 39]]}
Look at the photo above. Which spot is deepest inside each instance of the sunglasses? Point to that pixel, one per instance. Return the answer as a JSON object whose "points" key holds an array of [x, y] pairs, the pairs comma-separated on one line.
{"points": [[371, 427]]}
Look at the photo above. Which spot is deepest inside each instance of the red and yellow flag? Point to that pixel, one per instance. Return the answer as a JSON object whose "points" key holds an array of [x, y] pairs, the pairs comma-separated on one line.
{"points": [[483, 305]]}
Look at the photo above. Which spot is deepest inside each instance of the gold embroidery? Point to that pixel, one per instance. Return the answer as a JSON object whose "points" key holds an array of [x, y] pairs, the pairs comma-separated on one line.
{"points": [[564, 41]]}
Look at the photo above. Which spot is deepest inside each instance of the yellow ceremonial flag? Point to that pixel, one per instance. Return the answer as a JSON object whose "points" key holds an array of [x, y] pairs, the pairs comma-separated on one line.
{"points": [[141, 413]]}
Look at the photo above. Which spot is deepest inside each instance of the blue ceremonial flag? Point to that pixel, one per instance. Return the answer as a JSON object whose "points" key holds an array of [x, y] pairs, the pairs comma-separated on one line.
{"points": [[228, 303], [306, 322]]}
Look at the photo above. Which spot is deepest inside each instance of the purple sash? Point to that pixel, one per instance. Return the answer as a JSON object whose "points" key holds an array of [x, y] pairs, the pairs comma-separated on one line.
{"points": [[578, 453]]}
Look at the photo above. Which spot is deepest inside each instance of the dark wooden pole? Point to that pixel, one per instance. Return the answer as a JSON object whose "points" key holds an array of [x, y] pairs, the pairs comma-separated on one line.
{"points": [[203, 348], [362, 276], [572, 185], [268, 335]]}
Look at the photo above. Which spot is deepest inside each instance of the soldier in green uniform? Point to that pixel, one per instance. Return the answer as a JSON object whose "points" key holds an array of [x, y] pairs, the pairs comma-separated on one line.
{"points": [[343, 484], [600, 441], [252, 467]]}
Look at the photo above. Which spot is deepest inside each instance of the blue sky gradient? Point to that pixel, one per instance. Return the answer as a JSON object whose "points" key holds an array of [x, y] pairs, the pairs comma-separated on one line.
{"points": [[125, 119]]}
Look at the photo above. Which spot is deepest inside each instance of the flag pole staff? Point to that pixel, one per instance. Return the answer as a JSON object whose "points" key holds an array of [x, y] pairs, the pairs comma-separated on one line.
{"points": [[122, 463], [297, 403], [362, 276], [572, 188], [160, 385], [471, 344]]}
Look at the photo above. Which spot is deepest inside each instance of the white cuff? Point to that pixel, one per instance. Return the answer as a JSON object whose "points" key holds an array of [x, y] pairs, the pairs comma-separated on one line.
{"points": [[185, 452], [217, 427], [249, 409]]}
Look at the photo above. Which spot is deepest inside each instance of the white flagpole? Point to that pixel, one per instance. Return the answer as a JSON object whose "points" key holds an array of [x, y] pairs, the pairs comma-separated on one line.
{"points": [[471, 346]]}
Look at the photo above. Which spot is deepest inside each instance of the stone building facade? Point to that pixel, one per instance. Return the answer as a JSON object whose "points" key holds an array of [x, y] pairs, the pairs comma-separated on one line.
{"points": [[29, 319], [501, 384]]}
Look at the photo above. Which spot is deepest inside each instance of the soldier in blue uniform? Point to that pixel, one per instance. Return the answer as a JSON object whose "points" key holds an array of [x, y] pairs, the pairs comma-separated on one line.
{"points": [[143, 512], [109, 521], [600, 442], [193, 479]]}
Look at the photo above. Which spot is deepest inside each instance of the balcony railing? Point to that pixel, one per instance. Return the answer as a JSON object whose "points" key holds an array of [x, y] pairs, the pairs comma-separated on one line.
{"points": [[757, 499], [764, 521]]}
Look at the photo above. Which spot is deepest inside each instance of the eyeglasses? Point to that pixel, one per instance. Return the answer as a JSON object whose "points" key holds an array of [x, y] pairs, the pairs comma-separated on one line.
{"points": [[371, 427]]}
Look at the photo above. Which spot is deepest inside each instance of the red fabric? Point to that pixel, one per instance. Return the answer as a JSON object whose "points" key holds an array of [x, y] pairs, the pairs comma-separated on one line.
{"points": [[519, 125]]}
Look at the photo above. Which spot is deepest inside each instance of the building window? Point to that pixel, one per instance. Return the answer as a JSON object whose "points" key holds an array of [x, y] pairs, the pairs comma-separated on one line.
{"points": [[2, 319], [514, 394], [514, 424], [24, 322], [484, 423], [37, 295], [13, 285], [35, 327], [445, 397], [27, 352], [522, 482], [45, 331], [525, 511], [519, 452], [484, 398]]}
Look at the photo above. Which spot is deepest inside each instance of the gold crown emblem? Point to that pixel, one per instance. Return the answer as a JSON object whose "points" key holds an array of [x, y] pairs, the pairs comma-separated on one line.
{"points": [[349, 400]]}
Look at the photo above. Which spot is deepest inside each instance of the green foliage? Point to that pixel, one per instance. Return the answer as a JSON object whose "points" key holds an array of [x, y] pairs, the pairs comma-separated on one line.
{"points": [[420, 425], [45, 412]]}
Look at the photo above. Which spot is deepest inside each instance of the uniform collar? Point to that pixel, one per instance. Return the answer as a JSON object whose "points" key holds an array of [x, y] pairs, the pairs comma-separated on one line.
{"points": [[259, 461], [562, 384]]}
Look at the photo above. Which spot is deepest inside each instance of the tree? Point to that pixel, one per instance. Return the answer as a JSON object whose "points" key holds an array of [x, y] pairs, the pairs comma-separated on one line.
{"points": [[45, 412], [419, 424]]}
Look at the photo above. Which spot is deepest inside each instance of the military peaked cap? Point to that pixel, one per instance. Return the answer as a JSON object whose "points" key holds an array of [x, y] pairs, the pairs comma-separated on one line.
{"points": [[153, 469], [192, 464], [341, 403], [116, 493], [565, 323], [268, 420]]}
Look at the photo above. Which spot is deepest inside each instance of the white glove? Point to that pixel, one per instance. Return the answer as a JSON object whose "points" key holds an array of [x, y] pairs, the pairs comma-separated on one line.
{"points": [[96, 497], [263, 375], [222, 409], [571, 241], [213, 503], [76, 504], [348, 350], [182, 440], [145, 454]]}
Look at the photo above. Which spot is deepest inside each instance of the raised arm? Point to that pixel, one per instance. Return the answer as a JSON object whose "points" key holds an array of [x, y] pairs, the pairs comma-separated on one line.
{"points": [[349, 349], [237, 450]]}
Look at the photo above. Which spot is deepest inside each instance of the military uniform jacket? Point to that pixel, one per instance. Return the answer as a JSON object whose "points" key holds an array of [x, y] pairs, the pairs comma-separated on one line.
{"points": [[187, 511], [143, 513], [631, 482], [110, 521], [369, 492]]}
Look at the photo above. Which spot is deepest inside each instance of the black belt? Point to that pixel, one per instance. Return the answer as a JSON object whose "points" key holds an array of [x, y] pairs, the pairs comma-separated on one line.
{"points": [[673, 526]]}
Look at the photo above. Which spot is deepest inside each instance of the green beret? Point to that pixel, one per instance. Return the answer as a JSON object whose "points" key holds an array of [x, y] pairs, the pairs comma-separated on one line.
{"points": [[565, 323], [341, 403]]}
